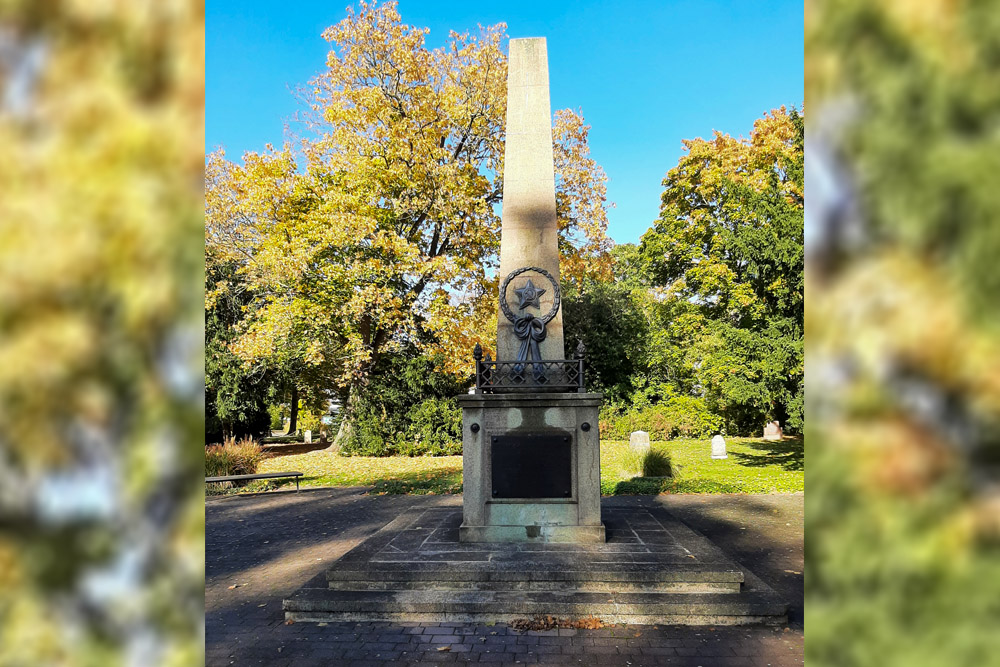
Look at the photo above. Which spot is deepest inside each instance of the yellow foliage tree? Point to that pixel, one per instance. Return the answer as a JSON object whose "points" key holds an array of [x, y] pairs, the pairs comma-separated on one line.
{"points": [[382, 228]]}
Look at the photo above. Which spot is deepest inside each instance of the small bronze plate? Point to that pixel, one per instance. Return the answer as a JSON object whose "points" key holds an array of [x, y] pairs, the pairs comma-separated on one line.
{"points": [[534, 465]]}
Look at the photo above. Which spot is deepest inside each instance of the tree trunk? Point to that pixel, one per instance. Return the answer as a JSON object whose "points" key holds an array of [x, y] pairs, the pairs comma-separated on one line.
{"points": [[344, 431], [293, 418], [343, 435]]}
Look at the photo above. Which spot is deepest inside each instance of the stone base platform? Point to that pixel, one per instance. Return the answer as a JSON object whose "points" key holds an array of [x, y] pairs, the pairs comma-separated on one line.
{"points": [[556, 468], [652, 569]]}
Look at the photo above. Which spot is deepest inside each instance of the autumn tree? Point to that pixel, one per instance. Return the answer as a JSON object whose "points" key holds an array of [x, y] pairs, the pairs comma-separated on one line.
{"points": [[380, 229], [727, 257]]}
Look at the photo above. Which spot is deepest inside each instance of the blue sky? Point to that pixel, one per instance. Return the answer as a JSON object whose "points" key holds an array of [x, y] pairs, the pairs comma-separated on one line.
{"points": [[645, 74]]}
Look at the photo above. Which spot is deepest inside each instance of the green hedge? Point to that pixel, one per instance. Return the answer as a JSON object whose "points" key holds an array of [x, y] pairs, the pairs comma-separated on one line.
{"points": [[434, 429], [408, 408], [678, 416]]}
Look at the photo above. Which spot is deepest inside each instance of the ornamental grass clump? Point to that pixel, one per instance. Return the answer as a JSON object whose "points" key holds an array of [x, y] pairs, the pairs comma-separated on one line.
{"points": [[649, 463], [656, 463], [233, 458]]}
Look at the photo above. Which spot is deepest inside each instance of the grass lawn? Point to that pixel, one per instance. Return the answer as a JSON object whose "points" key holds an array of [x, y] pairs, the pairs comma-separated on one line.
{"points": [[754, 466]]}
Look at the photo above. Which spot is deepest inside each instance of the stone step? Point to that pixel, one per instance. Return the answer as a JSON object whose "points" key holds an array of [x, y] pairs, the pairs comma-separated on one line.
{"points": [[539, 585], [655, 569], [537, 575], [530, 569], [323, 605]]}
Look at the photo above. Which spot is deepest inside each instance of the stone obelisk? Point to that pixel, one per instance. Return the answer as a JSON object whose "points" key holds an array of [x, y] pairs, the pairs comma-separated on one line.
{"points": [[531, 458], [530, 233]]}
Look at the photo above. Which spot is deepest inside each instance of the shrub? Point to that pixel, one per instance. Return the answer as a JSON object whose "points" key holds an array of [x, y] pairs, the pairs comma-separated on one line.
{"points": [[692, 418], [434, 429], [374, 431], [310, 419], [648, 463], [407, 408], [233, 458], [277, 413], [685, 416]]}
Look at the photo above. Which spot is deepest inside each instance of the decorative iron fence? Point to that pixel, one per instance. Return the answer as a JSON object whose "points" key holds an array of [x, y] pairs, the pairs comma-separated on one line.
{"points": [[528, 375], [505, 376]]}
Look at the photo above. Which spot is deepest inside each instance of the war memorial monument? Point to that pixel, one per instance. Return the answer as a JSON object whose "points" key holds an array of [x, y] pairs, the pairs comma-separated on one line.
{"points": [[532, 537]]}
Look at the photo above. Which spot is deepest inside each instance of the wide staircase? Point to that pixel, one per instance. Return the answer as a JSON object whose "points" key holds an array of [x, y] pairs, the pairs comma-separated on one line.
{"points": [[653, 569]]}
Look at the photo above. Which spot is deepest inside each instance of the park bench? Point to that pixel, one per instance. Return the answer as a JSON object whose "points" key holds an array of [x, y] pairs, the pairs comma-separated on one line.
{"points": [[263, 475]]}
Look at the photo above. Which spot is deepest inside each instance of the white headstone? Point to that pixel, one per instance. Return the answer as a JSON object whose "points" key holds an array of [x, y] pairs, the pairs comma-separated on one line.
{"points": [[639, 440], [308, 435], [719, 448], [772, 431]]}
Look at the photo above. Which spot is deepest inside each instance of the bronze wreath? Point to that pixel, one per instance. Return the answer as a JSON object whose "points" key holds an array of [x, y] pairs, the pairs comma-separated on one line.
{"points": [[556, 297]]}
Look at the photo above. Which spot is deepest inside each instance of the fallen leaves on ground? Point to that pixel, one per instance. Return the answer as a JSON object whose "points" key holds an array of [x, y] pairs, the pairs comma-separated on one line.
{"points": [[551, 623]]}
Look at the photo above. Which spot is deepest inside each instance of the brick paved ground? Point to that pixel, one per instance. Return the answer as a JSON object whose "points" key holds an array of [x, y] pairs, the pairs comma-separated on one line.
{"points": [[260, 549]]}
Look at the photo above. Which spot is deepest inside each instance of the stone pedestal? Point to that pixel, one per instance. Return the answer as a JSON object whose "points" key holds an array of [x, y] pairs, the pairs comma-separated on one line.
{"points": [[546, 485]]}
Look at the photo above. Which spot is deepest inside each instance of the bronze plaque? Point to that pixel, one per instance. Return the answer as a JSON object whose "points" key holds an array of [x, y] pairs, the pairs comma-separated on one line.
{"points": [[532, 465]]}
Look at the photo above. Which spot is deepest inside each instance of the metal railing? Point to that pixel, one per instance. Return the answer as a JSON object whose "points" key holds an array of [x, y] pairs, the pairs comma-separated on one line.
{"points": [[512, 376]]}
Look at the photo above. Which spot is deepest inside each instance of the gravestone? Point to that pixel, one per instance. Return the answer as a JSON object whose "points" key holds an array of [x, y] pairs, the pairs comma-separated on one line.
{"points": [[307, 436], [719, 448], [773, 431], [639, 440], [531, 450]]}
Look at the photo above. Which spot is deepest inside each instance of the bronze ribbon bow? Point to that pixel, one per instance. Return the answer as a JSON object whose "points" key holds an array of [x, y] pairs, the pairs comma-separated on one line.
{"points": [[530, 330]]}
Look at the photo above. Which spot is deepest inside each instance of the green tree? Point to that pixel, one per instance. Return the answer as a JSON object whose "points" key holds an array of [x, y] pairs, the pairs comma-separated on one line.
{"points": [[726, 262], [902, 447], [237, 397], [609, 317]]}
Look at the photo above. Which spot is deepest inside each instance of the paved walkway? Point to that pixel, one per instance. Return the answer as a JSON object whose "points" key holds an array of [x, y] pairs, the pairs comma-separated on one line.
{"points": [[261, 548]]}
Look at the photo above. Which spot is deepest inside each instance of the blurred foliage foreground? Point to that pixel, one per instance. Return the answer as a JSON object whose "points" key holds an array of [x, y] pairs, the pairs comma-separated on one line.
{"points": [[101, 399], [903, 351]]}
